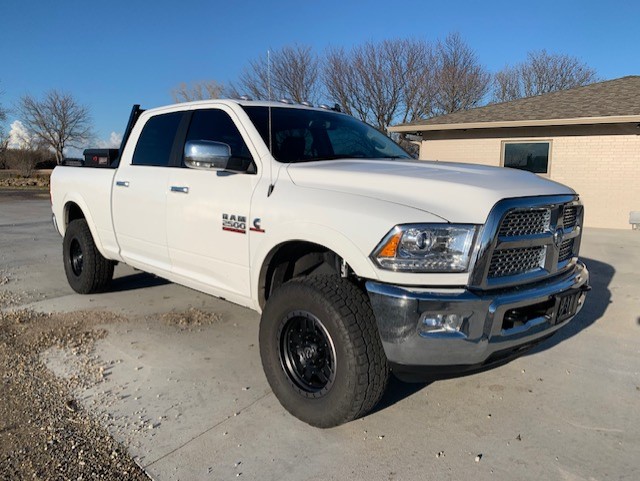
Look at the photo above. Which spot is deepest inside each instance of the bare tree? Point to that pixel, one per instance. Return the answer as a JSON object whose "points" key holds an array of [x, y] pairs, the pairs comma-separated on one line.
{"points": [[405, 80], [202, 90], [291, 72], [420, 81], [461, 81], [342, 84], [507, 85], [381, 83], [541, 73], [545, 73], [368, 81], [58, 121]]}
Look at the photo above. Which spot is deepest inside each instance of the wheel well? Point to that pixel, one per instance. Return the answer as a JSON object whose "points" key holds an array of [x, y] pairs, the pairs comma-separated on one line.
{"points": [[295, 259], [73, 212]]}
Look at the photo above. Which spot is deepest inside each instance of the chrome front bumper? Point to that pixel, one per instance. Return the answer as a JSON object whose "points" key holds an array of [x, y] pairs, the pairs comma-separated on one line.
{"points": [[497, 324]]}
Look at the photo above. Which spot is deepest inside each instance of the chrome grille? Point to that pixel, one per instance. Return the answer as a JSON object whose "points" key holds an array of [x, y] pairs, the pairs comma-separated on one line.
{"points": [[570, 216], [566, 250], [511, 262], [525, 222], [519, 246]]}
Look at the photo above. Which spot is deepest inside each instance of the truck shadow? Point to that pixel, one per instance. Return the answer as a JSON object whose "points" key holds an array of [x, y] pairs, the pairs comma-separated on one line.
{"points": [[139, 280], [598, 300], [398, 390], [597, 303]]}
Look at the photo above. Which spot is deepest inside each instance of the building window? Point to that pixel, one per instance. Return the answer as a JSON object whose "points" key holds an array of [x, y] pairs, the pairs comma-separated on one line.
{"points": [[531, 156]]}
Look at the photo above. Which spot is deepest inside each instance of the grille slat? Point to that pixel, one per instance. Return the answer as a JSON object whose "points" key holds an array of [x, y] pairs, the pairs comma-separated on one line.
{"points": [[566, 250], [511, 262], [570, 216], [525, 222]]}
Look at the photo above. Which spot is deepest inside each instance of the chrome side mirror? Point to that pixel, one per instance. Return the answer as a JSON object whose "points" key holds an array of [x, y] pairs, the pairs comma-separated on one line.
{"points": [[206, 155]]}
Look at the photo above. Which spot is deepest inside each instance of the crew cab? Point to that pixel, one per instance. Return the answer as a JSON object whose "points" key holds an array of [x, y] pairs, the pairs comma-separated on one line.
{"points": [[361, 260]]}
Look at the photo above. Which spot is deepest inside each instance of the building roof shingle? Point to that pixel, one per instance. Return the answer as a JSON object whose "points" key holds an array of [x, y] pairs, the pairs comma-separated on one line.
{"points": [[611, 98]]}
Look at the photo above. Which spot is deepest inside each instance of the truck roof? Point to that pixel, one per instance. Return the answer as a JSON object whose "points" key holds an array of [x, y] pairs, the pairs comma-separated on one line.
{"points": [[244, 103]]}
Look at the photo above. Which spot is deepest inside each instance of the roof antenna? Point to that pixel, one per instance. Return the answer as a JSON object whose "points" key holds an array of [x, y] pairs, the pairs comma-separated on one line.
{"points": [[271, 185]]}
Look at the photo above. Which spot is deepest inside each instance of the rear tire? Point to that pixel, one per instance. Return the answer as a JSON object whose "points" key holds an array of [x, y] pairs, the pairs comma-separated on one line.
{"points": [[86, 269], [321, 351]]}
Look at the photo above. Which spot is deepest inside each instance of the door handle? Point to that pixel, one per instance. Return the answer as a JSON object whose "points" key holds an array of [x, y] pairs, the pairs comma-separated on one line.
{"points": [[180, 189], [122, 183]]}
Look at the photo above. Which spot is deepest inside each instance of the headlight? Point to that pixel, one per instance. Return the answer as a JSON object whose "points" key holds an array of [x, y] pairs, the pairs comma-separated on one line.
{"points": [[426, 248]]}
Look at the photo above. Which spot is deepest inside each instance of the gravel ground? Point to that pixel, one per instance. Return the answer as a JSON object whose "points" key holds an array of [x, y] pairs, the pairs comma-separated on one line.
{"points": [[44, 432]]}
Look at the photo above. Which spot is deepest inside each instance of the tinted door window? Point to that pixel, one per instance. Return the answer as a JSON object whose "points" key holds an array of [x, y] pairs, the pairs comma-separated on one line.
{"points": [[217, 126], [156, 140]]}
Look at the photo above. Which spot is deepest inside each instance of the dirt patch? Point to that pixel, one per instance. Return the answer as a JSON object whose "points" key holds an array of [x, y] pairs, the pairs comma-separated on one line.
{"points": [[191, 318], [44, 432]]}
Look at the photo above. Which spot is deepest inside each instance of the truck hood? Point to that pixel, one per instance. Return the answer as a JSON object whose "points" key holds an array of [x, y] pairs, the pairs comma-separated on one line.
{"points": [[461, 193]]}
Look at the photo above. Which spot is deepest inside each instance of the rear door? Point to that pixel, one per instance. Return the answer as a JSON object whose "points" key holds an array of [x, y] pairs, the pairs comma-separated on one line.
{"points": [[140, 193], [208, 211]]}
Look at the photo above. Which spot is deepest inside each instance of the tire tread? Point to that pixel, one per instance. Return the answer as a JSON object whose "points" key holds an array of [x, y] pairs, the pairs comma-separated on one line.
{"points": [[97, 269], [356, 315]]}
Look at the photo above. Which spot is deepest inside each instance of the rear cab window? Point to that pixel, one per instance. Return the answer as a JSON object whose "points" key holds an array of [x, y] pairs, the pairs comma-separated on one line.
{"points": [[156, 140]]}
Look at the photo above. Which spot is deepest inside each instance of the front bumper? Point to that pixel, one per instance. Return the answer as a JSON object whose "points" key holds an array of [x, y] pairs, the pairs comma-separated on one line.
{"points": [[497, 325]]}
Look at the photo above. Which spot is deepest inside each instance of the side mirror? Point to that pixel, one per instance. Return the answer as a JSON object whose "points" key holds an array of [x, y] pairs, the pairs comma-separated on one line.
{"points": [[206, 155]]}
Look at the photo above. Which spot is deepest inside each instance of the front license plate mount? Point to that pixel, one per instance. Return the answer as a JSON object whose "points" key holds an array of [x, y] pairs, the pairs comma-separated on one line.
{"points": [[566, 306]]}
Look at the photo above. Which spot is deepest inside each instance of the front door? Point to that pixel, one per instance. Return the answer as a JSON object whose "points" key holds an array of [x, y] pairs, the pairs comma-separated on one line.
{"points": [[208, 211]]}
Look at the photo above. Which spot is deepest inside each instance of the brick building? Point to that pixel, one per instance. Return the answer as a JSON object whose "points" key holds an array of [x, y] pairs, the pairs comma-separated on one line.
{"points": [[587, 138]]}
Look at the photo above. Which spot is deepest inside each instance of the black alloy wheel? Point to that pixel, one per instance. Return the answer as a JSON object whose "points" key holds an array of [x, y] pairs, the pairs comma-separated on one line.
{"points": [[75, 254], [307, 353]]}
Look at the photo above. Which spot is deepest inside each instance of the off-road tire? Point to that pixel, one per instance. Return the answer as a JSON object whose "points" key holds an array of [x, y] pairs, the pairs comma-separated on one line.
{"points": [[86, 269], [360, 371]]}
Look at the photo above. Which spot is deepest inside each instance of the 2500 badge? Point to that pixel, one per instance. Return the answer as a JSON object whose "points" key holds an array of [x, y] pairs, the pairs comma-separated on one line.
{"points": [[234, 223]]}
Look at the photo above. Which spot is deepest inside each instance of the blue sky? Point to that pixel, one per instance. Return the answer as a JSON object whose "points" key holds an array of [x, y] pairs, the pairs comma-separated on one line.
{"points": [[112, 54]]}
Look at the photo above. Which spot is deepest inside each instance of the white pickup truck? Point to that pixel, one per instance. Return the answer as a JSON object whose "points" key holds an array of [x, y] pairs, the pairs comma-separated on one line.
{"points": [[361, 260]]}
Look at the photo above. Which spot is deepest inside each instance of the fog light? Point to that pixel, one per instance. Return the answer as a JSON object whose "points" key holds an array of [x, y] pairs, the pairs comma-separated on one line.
{"points": [[453, 322], [430, 321]]}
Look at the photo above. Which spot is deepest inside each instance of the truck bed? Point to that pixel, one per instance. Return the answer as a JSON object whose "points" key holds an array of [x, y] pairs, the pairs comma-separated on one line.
{"points": [[90, 190]]}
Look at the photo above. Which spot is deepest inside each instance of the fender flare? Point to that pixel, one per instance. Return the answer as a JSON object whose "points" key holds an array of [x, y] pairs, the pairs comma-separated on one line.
{"points": [[74, 198], [315, 234]]}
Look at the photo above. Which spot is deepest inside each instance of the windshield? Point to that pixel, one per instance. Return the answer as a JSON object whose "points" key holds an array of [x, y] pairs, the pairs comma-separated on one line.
{"points": [[301, 135]]}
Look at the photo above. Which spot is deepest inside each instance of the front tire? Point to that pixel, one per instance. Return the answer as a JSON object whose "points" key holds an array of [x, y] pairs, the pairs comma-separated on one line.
{"points": [[86, 269], [321, 351]]}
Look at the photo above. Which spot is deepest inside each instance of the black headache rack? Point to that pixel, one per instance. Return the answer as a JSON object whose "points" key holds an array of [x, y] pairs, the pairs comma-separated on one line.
{"points": [[106, 158], [93, 158]]}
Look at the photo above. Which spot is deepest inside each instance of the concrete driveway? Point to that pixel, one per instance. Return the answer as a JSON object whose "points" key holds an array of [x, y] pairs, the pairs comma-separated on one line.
{"points": [[190, 401]]}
